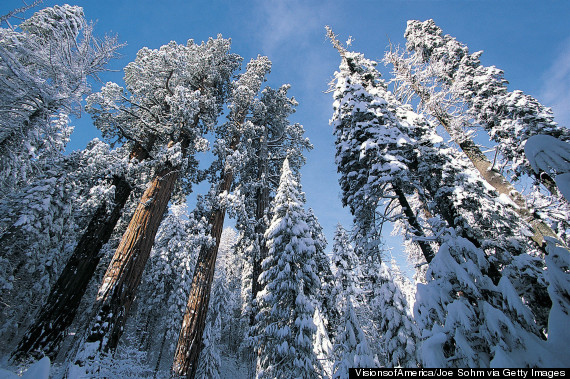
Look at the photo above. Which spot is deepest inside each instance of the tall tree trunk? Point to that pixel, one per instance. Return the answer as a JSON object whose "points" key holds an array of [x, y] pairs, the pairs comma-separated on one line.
{"points": [[482, 164], [47, 332], [190, 340], [502, 185], [262, 203], [124, 274], [425, 247], [57, 314]]}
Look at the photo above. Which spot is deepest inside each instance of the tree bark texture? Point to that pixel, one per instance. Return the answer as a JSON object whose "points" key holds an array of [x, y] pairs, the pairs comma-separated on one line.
{"points": [[118, 289], [57, 314], [189, 343]]}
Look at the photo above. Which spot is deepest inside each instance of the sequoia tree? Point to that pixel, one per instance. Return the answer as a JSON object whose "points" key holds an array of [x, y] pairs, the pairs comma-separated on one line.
{"points": [[173, 96]]}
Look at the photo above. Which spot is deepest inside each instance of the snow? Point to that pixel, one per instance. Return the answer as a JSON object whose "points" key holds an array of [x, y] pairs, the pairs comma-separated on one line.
{"points": [[39, 370], [548, 154], [563, 183]]}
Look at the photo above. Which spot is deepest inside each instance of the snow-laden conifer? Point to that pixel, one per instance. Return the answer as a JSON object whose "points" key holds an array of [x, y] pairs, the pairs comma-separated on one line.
{"points": [[398, 333], [285, 327], [449, 82], [351, 346], [373, 155], [44, 62], [468, 321], [510, 117]]}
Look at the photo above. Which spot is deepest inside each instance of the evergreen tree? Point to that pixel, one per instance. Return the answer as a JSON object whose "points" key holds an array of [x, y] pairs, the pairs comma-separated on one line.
{"points": [[159, 308], [396, 327], [346, 265], [44, 62], [467, 320], [44, 220], [443, 106], [285, 327], [351, 344], [558, 262], [455, 196], [509, 117], [242, 93], [325, 302], [372, 153], [189, 84]]}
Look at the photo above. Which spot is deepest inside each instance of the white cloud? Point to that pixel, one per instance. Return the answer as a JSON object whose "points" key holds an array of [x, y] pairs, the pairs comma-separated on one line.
{"points": [[555, 91], [288, 22]]}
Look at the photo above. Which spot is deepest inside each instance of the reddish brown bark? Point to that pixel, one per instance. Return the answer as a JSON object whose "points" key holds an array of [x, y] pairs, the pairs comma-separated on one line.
{"points": [[57, 314], [190, 340], [123, 276]]}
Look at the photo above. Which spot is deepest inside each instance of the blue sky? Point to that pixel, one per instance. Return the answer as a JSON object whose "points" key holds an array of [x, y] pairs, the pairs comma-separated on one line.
{"points": [[529, 40]]}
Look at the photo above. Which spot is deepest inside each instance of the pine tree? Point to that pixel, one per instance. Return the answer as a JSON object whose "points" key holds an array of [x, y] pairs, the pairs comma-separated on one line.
{"points": [[271, 139], [346, 265], [467, 320], [285, 327], [351, 345], [44, 220], [509, 117], [396, 327], [325, 302], [455, 196], [373, 155], [558, 262], [209, 362]]}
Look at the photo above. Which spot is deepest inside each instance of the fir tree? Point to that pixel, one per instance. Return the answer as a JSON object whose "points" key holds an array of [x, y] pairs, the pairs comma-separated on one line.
{"points": [[285, 327], [350, 344], [415, 81]]}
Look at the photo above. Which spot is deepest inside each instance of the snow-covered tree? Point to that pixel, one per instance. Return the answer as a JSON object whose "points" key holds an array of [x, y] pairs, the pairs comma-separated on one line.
{"points": [[454, 194], [242, 93], [345, 263], [45, 220], [325, 301], [509, 117], [466, 319], [285, 328], [558, 262], [158, 311], [452, 108], [173, 95], [351, 345], [44, 64], [97, 176], [209, 363], [396, 327], [266, 145], [372, 154]]}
